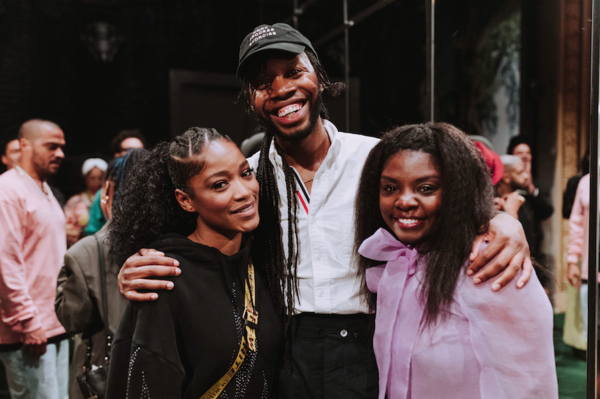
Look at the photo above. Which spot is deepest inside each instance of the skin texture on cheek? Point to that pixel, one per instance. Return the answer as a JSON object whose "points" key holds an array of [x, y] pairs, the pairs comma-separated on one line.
{"points": [[292, 82], [225, 192], [410, 195]]}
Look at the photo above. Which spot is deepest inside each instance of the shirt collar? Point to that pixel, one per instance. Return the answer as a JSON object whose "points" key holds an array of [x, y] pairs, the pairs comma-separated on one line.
{"points": [[48, 194], [333, 150]]}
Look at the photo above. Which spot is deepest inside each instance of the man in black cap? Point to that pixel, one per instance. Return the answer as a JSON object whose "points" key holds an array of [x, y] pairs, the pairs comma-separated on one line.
{"points": [[308, 172]]}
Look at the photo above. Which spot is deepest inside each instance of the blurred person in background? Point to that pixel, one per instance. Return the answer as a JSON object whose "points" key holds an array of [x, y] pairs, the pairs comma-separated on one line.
{"points": [[578, 249], [126, 139], [77, 208], [79, 291], [575, 327], [541, 208], [513, 179], [519, 146], [33, 344], [527, 208], [11, 153], [10, 158], [573, 183]]}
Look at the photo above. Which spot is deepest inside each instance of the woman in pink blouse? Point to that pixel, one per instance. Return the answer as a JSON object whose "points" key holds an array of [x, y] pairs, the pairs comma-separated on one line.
{"points": [[424, 197]]}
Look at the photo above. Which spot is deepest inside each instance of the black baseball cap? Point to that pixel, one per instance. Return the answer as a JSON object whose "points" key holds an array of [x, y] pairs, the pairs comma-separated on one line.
{"points": [[272, 37]]}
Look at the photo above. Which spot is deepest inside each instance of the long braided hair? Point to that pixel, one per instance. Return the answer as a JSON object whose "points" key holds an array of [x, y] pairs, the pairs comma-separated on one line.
{"points": [[148, 208], [269, 250]]}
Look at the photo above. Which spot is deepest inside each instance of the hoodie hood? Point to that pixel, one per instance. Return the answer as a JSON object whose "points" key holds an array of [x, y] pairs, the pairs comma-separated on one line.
{"points": [[173, 243]]}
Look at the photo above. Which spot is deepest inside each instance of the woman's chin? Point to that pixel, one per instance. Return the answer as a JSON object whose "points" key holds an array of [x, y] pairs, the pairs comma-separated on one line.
{"points": [[248, 225]]}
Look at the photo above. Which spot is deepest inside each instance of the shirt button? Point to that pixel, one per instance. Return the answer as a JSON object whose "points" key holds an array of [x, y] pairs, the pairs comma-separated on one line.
{"points": [[321, 294], [343, 333]]}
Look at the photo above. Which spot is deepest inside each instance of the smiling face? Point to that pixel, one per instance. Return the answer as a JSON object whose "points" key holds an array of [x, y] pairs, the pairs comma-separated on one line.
{"points": [[224, 193], [286, 95], [410, 195]]}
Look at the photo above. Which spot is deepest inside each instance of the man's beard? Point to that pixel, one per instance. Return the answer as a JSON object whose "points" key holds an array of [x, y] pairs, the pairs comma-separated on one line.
{"points": [[314, 112], [44, 171]]}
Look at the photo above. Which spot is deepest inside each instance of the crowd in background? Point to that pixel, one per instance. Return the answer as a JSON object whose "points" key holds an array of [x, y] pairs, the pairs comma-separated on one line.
{"points": [[39, 233]]}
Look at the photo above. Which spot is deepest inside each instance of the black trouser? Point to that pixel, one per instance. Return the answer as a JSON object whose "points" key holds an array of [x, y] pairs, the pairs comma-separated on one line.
{"points": [[332, 357]]}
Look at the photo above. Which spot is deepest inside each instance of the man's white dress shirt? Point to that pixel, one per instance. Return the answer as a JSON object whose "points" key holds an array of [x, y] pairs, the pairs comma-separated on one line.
{"points": [[327, 279]]}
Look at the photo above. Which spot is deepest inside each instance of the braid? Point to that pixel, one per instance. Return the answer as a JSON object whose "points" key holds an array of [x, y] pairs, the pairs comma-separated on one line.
{"points": [[281, 273], [147, 207]]}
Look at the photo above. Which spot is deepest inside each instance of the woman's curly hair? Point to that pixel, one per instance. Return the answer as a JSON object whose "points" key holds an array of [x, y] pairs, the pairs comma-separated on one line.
{"points": [[147, 208], [467, 207]]}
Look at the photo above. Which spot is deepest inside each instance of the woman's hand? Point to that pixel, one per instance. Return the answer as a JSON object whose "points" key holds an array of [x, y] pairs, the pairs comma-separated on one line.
{"points": [[504, 256], [574, 275], [135, 273]]}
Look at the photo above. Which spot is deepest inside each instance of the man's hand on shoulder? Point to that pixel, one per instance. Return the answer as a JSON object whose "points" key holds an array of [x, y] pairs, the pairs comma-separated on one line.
{"points": [[135, 273], [34, 343], [505, 255]]}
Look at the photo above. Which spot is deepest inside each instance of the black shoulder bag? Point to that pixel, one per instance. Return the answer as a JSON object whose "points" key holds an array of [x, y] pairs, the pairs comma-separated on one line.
{"points": [[92, 381]]}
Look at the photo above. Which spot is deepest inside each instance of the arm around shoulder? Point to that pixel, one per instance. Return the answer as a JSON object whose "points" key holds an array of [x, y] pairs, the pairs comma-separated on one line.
{"points": [[512, 334]]}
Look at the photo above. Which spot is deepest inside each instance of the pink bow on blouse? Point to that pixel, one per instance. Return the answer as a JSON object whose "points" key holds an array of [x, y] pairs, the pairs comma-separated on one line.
{"points": [[395, 332]]}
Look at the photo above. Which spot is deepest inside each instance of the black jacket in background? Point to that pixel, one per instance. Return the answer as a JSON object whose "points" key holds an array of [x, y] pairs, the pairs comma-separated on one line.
{"points": [[181, 344]]}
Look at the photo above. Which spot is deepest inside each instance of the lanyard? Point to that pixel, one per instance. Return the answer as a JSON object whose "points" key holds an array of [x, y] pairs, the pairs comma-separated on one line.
{"points": [[250, 317]]}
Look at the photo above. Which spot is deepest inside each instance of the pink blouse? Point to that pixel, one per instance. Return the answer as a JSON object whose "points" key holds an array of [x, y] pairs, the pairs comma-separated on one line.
{"points": [[493, 345]]}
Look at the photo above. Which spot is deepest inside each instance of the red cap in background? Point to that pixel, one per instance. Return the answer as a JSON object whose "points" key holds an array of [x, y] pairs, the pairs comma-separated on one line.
{"points": [[492, 160]]}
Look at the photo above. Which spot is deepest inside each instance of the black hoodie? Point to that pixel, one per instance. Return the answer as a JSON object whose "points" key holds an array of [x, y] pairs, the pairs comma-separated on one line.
{"points": [[181, 344]]}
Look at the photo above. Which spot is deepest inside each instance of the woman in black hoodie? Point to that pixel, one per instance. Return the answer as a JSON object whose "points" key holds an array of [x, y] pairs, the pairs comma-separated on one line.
{"points": [[217, 333]]}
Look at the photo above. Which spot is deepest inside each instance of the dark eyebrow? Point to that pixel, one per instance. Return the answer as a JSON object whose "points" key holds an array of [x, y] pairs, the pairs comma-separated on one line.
{"points": [[420, 179], [225, 172]]}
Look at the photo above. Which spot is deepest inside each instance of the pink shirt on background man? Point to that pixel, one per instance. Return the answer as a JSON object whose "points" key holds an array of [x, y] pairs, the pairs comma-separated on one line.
{"points": [[32, 248], [579, 232]]}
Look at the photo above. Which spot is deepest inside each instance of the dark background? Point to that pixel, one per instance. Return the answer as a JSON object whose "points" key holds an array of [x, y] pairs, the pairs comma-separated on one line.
{"points": [[46, 70]]}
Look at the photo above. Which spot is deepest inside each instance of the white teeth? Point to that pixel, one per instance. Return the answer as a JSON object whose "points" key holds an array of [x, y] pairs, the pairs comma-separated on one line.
{"points": [[288, 110], [247, 208], [408, 221]]}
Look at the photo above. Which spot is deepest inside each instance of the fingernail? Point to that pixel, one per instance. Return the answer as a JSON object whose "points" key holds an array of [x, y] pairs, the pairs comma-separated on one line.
{"points": [[496, 287], [175, 263], [520, 284], [469, 272], [170, 285], [476, 280], [177, 271], [154, 296]]}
